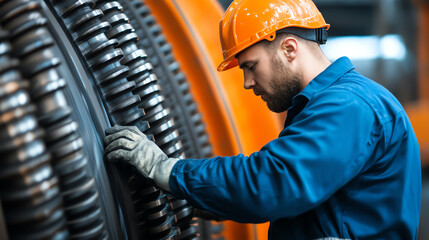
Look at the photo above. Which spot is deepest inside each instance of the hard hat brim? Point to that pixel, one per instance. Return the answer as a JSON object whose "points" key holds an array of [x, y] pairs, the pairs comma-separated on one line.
{"points": [[227, 64]]}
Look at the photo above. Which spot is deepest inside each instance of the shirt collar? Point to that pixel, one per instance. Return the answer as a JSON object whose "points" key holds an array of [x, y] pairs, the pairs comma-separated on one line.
{"points": [[331, 74]]}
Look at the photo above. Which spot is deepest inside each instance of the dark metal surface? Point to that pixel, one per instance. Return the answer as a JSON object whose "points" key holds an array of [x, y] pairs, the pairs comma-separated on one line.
{"points": [[29, 189], [33, 43], [176, 92], [88, 29], [158, 116], [176, 96], [3, 230], [50, 133]]}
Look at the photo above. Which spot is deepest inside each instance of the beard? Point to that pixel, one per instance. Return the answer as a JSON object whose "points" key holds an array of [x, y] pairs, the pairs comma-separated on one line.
{"points": [[285, 85]]}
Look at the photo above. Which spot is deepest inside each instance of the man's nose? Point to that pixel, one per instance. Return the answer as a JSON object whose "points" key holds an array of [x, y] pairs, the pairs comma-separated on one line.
{"points": [[248, 82]]}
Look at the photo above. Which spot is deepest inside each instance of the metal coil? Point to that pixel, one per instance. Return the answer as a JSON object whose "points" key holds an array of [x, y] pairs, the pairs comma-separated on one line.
{"points": [[88, 30], [176, 90], [188, 121], [159, 118], [153, 213], [29, 188], [127, 85], [141, 74], [33, 43]]}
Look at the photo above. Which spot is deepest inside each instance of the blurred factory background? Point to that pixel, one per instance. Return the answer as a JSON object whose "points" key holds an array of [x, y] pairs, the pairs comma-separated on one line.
{"points": [[59, 90]]}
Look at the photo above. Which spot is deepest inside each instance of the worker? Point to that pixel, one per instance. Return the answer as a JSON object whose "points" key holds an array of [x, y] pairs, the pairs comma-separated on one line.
{"points": [[345, 166]]}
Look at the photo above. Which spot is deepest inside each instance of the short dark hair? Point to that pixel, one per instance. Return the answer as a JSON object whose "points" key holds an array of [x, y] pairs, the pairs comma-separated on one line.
{"points": [[271, 46]]}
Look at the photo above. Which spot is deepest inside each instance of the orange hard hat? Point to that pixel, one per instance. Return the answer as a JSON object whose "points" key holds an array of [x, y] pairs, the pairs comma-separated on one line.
{"points": [[247, 22]]}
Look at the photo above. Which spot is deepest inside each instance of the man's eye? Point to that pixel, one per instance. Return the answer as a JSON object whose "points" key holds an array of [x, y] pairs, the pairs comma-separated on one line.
{"points": [[252, 68]]}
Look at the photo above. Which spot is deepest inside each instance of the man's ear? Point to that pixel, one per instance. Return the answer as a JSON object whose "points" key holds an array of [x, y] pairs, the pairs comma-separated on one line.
{"points": [[290, 47]]}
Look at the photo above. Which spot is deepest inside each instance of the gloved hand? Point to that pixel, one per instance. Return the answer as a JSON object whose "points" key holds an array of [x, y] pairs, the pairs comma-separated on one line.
{"points": [[128, 143]]}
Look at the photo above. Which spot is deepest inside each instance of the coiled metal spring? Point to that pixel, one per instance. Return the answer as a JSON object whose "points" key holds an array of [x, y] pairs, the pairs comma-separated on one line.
{"points": [[29, 188], [88, 30], [151, 201], [176, 88], [33, 43]]}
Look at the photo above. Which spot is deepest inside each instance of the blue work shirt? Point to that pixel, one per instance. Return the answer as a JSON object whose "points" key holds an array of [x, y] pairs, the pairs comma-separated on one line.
{"points": [[346, 165]]}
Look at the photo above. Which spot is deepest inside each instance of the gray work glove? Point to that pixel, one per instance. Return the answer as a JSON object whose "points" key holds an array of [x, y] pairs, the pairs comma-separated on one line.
{"points": [[129, 144]]}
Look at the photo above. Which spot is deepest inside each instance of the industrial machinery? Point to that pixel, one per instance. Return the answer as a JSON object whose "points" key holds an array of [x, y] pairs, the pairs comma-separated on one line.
{"points": [[72, 68], [69, 69]]}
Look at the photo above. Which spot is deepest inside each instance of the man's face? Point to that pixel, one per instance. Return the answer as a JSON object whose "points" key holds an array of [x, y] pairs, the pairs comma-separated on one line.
{"points": [[270, 77]]}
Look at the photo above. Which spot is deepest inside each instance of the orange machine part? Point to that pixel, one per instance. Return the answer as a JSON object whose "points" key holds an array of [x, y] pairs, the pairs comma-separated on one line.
{"points": [[237, 121], [423, 50], [419, 112], [419, 117]]}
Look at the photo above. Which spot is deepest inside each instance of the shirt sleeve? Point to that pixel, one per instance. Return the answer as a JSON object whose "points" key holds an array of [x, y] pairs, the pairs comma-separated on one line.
{"points": [[326, 146]]}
